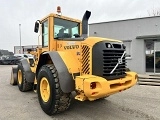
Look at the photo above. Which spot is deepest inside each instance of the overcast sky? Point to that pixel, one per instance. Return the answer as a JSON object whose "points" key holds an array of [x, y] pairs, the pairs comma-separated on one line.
{"points": [[26, 12]]}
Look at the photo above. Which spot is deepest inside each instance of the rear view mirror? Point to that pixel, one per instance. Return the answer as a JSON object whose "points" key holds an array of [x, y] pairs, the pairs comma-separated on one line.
{"points": [[36, 27]]}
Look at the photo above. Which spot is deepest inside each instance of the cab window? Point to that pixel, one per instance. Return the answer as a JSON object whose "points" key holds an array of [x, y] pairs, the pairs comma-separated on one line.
{"points": [[45, 34], [65, 29]]}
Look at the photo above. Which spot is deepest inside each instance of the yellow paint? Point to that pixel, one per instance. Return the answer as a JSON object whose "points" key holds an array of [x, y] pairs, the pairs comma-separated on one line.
{"points": [[53, 42], [60, 16], [72, 58], [103, 86], [45, 89], [93, 40], [70, 61]]}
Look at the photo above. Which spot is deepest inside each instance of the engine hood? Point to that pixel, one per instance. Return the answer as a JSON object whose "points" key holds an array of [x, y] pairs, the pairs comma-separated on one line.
{"points": [[93, 40]]}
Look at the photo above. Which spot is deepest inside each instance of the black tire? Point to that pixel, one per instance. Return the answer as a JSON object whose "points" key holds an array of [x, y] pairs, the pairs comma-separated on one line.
{"points": [[23, 85], [13, 80], [57, 101]]}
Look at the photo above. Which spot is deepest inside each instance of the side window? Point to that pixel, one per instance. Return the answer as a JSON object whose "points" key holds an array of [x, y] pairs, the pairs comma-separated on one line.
{"points": [[75, 30], [45, 34], [128, 47]]}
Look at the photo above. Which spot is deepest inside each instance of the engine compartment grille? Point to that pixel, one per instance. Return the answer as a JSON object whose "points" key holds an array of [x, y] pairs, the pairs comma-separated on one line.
{"points": [[108, 60], [85, 59], [111, 59]]}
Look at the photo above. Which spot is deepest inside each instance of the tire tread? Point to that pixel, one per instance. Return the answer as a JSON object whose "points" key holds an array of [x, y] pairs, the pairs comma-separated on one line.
{"points": [[62, 100], [26, 86]]}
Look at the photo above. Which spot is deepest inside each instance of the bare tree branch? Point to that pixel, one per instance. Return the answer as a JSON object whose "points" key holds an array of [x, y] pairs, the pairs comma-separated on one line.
{"points": [[154, 12]]}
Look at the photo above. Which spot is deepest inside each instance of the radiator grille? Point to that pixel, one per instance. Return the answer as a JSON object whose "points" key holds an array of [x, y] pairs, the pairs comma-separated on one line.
{"points": [[110, 60], [85, 59]]}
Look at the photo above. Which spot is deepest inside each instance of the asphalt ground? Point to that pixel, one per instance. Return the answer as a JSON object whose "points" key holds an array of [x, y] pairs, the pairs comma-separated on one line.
{"points": [[136, 103]]}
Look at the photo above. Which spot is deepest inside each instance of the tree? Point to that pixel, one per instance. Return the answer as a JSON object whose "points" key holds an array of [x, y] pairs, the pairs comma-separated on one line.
{"points": [[154, 12]]}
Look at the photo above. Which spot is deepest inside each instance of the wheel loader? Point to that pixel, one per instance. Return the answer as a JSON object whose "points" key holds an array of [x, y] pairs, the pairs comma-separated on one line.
{"points": [[71, 61]]}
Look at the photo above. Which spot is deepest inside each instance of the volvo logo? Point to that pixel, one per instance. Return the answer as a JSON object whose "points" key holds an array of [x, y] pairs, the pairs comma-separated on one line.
{"points": [[120, 61]]}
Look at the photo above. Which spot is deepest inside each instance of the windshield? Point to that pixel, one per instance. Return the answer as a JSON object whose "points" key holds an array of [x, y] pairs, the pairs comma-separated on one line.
{"points": [[65, 29]]}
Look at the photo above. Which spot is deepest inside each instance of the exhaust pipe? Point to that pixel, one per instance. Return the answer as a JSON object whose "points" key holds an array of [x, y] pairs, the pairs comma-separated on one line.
{"points": [[85, 24]]}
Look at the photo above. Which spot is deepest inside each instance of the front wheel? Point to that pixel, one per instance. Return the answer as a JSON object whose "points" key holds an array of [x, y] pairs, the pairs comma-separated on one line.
{"points": [[50, 96]]}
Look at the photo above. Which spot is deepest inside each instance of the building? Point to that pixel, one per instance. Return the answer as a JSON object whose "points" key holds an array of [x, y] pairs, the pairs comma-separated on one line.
{"points": [[141, 37], [23, 49]]}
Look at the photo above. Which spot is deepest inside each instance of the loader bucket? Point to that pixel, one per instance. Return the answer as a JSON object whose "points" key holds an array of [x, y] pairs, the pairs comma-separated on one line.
{"points": [[13, 80]]}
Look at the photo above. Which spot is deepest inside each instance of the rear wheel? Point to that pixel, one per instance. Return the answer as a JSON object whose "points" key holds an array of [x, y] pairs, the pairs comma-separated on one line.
{"points": [[23, 85], [50, 96], [13, 80]]}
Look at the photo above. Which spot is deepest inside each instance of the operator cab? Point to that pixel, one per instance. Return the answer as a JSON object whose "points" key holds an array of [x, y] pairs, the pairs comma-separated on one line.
{"points": [[56, 27], [63, 28]]}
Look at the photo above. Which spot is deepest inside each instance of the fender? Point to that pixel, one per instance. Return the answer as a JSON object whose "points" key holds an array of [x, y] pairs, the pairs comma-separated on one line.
{"points": [[29, 75], [66, 81]]}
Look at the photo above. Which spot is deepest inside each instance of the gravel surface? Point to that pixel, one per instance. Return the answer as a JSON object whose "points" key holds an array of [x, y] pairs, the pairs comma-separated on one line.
{"points": [[136, 103]]}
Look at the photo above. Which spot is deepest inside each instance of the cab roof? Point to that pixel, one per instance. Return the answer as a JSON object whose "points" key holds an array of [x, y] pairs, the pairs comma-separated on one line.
{"points": [[60, 16]]}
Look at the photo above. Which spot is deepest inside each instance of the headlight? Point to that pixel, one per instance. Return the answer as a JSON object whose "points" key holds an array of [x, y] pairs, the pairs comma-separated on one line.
{"points": [[108, 45]]}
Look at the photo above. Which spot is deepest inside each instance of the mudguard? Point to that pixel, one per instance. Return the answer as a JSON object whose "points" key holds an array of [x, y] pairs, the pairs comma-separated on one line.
{"points": [[66, 81], [29, 75]]}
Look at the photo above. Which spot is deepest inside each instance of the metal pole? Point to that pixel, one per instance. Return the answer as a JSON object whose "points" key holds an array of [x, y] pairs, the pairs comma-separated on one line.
{"points": [[154, 61], [20, 36]]}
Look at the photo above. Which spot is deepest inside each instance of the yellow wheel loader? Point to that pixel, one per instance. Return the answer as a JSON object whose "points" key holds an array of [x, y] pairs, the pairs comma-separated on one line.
{"points": [[70, 61]]}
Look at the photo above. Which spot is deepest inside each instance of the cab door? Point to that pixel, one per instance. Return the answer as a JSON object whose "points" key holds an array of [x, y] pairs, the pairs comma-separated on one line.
{"points": [[45, 35]]}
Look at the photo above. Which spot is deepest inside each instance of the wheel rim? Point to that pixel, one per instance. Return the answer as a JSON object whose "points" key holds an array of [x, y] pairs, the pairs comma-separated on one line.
{"points": [[44, 89], [19, 76]]}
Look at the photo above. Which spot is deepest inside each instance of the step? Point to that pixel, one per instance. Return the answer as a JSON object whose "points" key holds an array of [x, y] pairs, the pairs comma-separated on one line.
{"points": [[148, 76], [149, 83], [149, 80]]}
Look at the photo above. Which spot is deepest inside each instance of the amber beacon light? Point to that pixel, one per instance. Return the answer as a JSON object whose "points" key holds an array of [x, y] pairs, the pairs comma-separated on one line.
{"points": [[58, 9]]}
